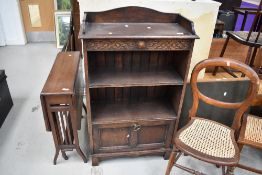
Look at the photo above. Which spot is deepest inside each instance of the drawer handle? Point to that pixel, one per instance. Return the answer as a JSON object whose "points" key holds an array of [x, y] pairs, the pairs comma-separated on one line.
{"points": [[136, 127], [141, 44]]}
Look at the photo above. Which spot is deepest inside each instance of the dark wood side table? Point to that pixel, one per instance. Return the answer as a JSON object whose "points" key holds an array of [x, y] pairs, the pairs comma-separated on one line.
{"points": [[62, 103]]}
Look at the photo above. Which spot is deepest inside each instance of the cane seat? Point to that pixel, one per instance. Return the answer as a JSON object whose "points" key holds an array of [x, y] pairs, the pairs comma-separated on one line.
{"points": [[250, 133], [255, 40], [209, 138]]}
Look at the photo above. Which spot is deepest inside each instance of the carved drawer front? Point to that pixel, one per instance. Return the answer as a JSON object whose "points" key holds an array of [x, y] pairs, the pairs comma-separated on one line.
{"points": [[137, 44], [133, 136]]}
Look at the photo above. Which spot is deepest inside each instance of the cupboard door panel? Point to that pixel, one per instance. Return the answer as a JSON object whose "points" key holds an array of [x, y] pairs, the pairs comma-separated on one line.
{"points": [[111, 137], [152, 134]]}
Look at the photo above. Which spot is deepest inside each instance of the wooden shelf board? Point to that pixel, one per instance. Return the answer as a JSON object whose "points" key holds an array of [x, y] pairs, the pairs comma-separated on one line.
{"points": [[129, 79], [119, 112]]}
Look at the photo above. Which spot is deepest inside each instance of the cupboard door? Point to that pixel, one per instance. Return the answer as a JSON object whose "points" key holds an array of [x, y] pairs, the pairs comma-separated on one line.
{"points": [[155, 134], [140, 135], [112, 137]]}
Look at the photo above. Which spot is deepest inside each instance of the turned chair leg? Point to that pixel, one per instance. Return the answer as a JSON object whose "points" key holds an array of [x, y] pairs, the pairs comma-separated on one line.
{"points": [[254, 53], [221, 55], [230, 170], [175, 155], [171, 162], [247, 61], [223, 170]]}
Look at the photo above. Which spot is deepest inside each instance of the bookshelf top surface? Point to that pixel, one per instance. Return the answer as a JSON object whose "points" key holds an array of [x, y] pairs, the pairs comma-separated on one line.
{"points": [[135, 30]]}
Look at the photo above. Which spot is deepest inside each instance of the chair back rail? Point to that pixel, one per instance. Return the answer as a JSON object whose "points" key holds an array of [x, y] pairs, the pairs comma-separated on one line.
{"points": [[240, 107]]}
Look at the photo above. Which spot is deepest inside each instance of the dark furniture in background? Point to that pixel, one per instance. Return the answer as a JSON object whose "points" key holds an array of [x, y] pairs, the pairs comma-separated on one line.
{"points": [[219, 29], [75, 13], [73, 43], [229, 4], [62, 101], [251, 38], [136, 74], [229, 18], [206, 139], [6, 101]]}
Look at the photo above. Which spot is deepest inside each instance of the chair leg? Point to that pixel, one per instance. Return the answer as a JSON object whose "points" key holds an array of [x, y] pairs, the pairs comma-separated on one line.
{"points": [[223, 170], [171, 161], [84, 106], [247, 61], [221, 54], [254, 53], [230, 170]]}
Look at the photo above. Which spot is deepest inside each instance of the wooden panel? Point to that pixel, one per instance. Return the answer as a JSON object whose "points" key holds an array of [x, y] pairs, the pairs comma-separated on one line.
{"points": [[126, 14], [152, 134], [114, 137], [46, 13], [137, 44]]}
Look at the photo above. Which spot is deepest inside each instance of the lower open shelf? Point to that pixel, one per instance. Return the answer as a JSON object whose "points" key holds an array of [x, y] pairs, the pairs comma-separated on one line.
{"points": [[117, 113]]}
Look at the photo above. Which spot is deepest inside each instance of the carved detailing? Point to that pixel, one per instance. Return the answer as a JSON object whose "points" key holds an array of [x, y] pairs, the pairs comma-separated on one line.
{"points": [[148, 44]]}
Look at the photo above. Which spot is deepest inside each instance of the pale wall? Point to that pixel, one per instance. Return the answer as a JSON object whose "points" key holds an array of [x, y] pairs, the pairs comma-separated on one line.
{"points": [[12, 23], [202, 12]]}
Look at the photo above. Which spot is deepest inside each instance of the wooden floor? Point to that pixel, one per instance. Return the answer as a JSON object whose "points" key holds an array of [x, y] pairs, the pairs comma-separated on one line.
{"points": [[223, 76]]}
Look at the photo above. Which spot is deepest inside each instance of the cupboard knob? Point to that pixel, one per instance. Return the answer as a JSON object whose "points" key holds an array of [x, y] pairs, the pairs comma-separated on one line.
{"points": [[136, 127], [141, 44]]}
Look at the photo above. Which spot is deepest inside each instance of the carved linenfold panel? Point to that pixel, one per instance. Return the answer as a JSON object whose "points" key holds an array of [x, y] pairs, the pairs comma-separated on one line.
{"points": [[139, 44]]}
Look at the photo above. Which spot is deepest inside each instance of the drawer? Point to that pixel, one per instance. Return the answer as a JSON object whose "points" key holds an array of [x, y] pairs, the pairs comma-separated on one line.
{"points": [[137, 44], [139, 135]]}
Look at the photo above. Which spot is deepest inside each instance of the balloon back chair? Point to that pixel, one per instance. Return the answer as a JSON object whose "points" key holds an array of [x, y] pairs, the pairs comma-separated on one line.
{"points": [[208, 140]]}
